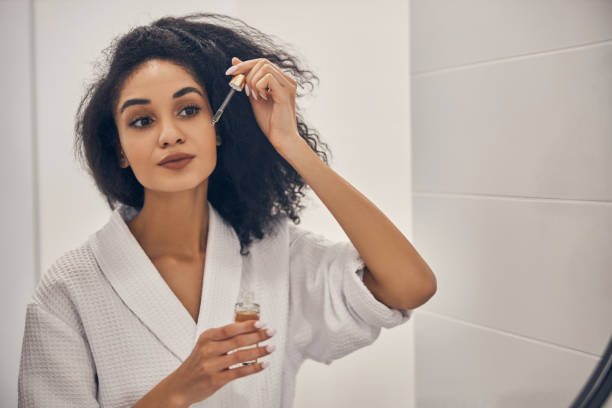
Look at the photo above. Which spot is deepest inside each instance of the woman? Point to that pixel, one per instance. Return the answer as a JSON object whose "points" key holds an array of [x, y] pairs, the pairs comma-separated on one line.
{"points": [[141, 313]]}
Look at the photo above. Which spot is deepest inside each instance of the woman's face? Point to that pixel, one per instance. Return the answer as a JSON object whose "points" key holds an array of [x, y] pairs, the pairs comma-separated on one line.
{"points": [[166, 112]]}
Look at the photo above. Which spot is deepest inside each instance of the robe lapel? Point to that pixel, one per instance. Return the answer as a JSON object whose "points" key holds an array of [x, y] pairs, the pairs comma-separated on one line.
{"points": [[137, 281], [222, 276]]}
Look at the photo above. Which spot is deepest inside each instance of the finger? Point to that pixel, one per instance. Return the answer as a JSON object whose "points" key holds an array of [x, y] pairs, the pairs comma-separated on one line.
{"points": [[251, 74], [244, 66], [253, 85], [239, 357], [242, 340], [280, 76], [214, 350], [228, 375], [269, 81], [267, 68], [285, 79], [228, 331]]}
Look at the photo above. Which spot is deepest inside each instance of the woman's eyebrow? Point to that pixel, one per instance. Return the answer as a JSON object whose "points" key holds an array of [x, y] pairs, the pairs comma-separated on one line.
{"points": [[177, 94]]}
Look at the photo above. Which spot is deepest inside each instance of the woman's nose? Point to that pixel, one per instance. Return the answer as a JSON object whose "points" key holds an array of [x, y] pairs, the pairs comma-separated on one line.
{"points": [[170, 134]]}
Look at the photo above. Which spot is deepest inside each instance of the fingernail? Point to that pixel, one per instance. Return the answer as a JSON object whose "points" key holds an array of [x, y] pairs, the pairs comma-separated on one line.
{"points": [[270, 348], [265, 364], [231, 69], [270, 331], [254, 94], [259, 324], [246, 88]]}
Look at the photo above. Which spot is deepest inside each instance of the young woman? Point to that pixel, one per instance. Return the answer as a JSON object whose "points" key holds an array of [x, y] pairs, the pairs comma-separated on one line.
{"points": [[142, 313]]}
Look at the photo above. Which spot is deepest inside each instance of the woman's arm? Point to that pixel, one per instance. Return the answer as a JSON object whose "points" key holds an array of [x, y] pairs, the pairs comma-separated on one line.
{"points": [[396, 274], [56, 369], [163, 395]]}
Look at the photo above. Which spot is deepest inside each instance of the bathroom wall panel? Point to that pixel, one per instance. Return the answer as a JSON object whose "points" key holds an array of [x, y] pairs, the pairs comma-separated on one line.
{"points": [[461, 365], [536, 127], [536, 268], [450, 33]]}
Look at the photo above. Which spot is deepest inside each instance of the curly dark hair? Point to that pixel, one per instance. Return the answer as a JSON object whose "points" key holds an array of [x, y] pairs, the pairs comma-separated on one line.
{"points": [[252, 186]]}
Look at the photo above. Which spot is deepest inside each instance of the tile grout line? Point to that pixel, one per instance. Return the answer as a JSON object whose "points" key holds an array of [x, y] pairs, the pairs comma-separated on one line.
{"points": [[423, 74], [510, 197], [515, 335]]}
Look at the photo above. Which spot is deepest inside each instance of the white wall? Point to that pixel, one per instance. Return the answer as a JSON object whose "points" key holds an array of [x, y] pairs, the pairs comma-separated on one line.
{"points": [[512, 149], [19, 206], [354, 47]]}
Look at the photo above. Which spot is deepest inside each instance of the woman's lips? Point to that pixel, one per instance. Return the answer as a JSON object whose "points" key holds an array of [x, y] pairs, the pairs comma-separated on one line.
{"points": [[177, 164]]}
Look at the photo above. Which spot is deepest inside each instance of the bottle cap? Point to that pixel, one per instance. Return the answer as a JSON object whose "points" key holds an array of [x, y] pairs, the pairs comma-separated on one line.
{"points": [[237, 82]]}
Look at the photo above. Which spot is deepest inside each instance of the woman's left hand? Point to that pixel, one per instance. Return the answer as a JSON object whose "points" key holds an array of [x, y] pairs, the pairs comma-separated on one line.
{"points": [[274, 102]]}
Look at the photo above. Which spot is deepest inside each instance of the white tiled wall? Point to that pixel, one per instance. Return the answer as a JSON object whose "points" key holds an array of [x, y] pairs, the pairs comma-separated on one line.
{"points": [[512, 190]]}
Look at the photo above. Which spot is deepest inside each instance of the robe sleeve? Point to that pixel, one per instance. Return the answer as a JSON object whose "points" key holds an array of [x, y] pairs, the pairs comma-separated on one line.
{"points": [[56, 368], [333, 312]]}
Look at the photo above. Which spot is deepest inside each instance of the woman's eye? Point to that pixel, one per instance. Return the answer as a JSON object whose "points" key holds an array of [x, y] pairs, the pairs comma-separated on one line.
{"points": [[133, 124], [194, 109]]}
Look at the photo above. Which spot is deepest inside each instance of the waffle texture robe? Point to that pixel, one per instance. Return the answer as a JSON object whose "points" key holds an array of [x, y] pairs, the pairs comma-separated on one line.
{"points": [[103, 328]]}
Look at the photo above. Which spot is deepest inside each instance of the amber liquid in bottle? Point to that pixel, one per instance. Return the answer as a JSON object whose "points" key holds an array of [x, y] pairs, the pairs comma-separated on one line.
{"points": [[246, 309]]}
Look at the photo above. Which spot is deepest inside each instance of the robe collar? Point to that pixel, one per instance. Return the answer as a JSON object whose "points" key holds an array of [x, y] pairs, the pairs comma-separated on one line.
{"points": [[137, 281]]}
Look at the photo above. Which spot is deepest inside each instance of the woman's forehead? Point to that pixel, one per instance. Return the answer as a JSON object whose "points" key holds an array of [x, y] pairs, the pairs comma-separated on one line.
{"points": [[158, 80], [158, 74]]}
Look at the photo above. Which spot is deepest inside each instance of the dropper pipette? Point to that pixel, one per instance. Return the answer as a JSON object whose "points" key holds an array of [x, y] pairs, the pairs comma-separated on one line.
{"points": [[236, 84]]}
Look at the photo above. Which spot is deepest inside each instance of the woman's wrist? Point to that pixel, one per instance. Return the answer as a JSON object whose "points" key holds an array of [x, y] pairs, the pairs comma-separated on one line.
{"points": [[173, 396], [177, 401], [163, 395]]}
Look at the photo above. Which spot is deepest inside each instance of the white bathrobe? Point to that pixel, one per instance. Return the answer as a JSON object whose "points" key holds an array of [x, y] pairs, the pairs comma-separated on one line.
{"points": [[103, 327]]}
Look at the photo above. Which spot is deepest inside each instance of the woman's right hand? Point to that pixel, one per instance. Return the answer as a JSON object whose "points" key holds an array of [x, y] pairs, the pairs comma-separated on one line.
{"points": [[207, 367]]}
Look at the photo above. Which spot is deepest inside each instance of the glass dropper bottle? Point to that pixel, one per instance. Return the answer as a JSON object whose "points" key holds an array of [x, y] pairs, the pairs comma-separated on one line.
{"points": [[236, 84], [246, 309]]}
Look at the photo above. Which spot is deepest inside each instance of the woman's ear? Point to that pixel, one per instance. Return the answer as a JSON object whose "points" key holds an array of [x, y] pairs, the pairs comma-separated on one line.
{"points": [[123, 163]]}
